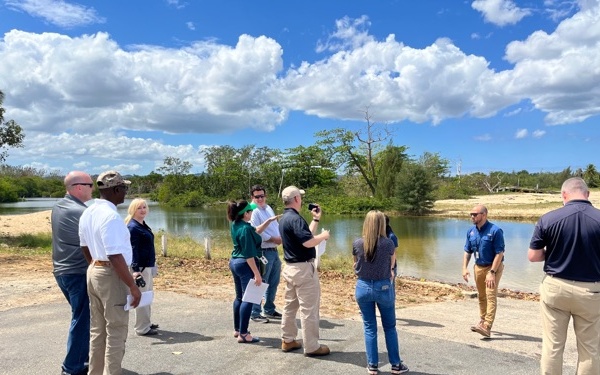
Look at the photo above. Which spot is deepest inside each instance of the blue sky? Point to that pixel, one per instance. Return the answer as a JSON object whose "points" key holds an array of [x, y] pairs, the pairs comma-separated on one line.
{"points": [[488, 84]]}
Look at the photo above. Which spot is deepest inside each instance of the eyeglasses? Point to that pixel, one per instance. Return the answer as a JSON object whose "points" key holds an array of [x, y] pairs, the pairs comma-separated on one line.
{"points": [[475, 214], [259, 196], [84, 184]]}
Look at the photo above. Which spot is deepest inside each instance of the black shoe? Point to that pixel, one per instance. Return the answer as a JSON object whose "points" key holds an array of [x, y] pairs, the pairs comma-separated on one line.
{"points": [[84, 371], [151, 332], [260, 319], [275, 315], [153, 326]]}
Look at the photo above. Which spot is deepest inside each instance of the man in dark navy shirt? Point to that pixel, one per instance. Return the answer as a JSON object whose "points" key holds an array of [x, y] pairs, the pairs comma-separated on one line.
{"points": [[302, 288], [485, 241], [567, 240]]}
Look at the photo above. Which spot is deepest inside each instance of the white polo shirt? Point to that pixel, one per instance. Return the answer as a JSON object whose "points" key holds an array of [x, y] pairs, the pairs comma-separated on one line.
{"points": [[104, 232], [259, 216]]}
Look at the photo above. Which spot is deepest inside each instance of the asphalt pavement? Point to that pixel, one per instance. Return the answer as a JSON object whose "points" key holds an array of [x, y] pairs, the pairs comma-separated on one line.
{"points": [[196, 337]]}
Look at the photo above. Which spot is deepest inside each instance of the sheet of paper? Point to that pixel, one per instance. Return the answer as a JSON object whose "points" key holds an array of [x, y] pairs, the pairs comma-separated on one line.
{"points": [[320, 251], [321, 248], [146, 299], [253, 293]]}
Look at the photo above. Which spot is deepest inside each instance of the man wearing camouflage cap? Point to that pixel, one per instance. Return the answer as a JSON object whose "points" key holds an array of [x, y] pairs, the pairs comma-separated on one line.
{"points": [[104, 239]]}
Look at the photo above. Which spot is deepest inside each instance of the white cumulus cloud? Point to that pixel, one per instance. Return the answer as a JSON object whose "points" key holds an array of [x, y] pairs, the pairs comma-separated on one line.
{"points": [[500, 12]]}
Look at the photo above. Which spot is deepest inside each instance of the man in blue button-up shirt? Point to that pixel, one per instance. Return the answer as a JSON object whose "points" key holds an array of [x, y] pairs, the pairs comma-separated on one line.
{"points": [[485, 241]]}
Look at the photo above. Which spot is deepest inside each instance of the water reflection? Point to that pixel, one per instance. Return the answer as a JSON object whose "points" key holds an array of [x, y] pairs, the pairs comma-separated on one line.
{"points": [[429, 248]]}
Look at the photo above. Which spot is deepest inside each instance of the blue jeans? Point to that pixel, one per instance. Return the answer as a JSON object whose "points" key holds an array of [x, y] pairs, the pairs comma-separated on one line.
{"points": [[242, 274], [74, 287], [271, 276], [380, 293]]}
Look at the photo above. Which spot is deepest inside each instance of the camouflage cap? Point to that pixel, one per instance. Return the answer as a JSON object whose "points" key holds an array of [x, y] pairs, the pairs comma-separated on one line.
{"points": [[110, 179]]}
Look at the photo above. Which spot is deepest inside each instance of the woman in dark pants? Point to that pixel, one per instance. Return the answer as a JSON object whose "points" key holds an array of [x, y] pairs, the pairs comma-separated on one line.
{"points": [[244, 263]]}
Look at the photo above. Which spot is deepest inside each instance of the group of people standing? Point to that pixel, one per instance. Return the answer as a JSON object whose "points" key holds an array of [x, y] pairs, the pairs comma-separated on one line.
{"points": [[256, 231], [97, 257]]}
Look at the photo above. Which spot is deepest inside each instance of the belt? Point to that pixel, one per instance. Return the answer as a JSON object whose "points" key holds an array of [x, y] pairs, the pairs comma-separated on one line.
{"points": [[269, 249], [301, 261], [101, 263], [569, 280]]}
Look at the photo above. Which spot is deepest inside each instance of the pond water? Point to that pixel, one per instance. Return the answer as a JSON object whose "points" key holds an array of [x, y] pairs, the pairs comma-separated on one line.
{"points": [[429, 248]]}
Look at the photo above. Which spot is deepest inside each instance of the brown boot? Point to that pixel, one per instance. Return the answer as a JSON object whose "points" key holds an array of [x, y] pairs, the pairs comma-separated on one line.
{"points": [[289, 346], [323, 350], [483, 329], [474, 328]]}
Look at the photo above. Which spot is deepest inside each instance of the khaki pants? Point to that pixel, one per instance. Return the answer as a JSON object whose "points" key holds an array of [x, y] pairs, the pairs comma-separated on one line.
{"points": [[302, 291], [560, 299], [142, 314], [488, 297], [109, 321]]}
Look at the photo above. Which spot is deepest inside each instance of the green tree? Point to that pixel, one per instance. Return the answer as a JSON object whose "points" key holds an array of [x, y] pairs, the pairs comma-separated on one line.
{"points": [[355, 152], [307, 167], [389, 165], [11, 134], [176, 180], [414, 189], [591, 176]]}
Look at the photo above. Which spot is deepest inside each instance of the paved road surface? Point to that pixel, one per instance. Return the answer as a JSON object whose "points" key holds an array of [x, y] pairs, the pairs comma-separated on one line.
{"points": [[196, 338]]}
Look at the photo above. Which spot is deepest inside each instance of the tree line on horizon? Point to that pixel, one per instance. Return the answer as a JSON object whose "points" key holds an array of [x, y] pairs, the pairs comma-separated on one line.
{"points": [[390, 181]]}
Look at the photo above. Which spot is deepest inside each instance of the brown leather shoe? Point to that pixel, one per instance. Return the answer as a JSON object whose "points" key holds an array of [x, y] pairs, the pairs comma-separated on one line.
{"points": [[323, 350], [474, 328], [289, 346], [483, 329]]}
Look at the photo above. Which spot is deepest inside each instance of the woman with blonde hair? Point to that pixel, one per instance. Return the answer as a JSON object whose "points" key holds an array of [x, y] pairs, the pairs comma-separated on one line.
{"points": [[143, 260], [374, 257]]}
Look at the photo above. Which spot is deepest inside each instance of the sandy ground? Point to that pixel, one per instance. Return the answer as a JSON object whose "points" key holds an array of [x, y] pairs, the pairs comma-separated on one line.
{"points": [[522, 206], [14, 225]]}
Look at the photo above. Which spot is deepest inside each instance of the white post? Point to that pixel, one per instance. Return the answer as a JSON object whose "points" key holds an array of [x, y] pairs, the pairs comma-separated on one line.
{"points": [[163, 241], [207, 247]]}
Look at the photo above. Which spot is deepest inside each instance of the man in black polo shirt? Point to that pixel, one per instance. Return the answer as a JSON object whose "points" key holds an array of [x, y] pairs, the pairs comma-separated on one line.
{"points": [[302, 289], [568, 241]]}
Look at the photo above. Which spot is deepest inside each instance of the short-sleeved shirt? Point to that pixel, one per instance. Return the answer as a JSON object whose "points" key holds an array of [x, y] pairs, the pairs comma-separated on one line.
{"points": [[571, 236], [246, 242], [294, 232], [142, 245], [380, 267], [392, 236], [485, 243], [104, 232], [67, 257], [259, 216]]}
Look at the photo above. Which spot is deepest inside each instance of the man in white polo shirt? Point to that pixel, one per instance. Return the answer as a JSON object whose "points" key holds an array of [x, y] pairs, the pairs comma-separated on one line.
{"points": [[104, 239]]}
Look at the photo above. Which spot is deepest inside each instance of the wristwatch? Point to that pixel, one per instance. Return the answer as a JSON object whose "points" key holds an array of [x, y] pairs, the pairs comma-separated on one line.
{"points": [[492, 272]]}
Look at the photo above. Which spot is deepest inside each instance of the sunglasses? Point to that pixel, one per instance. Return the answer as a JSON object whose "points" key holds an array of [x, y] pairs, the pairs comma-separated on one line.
{"points": [[259, 196], [84, 184], [475, 214]]}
